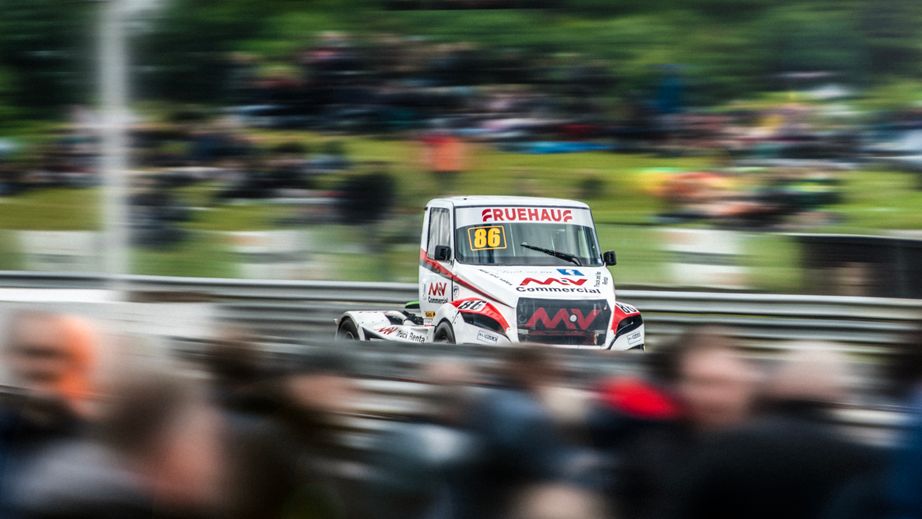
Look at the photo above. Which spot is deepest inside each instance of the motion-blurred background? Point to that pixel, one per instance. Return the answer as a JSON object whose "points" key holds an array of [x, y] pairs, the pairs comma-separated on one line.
{"points": [[722, 143], [754, 163]]}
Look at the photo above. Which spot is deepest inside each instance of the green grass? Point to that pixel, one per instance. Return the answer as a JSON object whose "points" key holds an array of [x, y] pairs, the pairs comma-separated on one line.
{"points": [[874, 201], [202, 255], [877, 200], [52, 209]]}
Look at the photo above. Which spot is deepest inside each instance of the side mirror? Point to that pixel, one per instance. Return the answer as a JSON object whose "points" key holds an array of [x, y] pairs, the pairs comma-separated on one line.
{"points": [[609, 257], [442, 253]]}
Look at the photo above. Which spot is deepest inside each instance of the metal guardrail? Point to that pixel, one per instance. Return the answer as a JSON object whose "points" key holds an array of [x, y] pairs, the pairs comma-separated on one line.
{"points": [[299, 310], [292, 312]]}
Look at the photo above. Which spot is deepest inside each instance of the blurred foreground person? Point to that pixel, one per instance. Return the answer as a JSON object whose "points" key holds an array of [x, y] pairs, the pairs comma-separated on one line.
{"points": [[261, 465], [415, 462], [790, 461], [156, 453], [238, 371], [51, 361], [903, 480], [557, 502], [282, 432], [517, 441], [705, 386], [315, 397]]}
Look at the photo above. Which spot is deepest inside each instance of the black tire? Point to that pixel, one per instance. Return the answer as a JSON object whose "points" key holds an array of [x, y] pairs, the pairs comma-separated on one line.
{"points": [[444, 333], [347, 331]]}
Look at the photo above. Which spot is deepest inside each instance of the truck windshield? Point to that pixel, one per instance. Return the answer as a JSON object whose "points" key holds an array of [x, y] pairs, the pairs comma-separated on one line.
{"points": [[518, 243]]}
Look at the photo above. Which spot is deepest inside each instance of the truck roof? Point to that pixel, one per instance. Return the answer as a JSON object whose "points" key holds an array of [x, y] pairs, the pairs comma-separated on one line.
{"points": [[485, 200]]}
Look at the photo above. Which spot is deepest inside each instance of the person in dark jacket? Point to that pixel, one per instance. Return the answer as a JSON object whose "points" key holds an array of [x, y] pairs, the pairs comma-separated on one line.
{"points": [[415, 460], [788, 463], [700, 386], [50, 359], [155, 452], [517, 441], [902, 482]]}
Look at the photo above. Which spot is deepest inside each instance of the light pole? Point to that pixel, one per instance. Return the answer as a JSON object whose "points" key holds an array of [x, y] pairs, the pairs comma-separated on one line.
{"points": [[113, 81]]}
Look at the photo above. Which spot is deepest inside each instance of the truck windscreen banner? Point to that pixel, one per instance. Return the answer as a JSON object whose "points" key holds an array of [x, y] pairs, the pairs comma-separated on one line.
{"points": [[532, 214]]}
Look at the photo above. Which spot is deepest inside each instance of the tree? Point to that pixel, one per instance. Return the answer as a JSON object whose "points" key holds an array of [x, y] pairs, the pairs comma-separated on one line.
{"points": [[45, 52]]}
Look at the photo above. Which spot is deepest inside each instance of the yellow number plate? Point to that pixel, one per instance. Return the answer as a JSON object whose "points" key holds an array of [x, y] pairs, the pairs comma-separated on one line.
{"points": [[487, 238]]}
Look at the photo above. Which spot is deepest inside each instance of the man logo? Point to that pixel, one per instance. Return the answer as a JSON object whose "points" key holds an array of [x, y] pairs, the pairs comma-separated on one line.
{"points": [[559, 281], [570, 272], [437, 289], [571, 319]]}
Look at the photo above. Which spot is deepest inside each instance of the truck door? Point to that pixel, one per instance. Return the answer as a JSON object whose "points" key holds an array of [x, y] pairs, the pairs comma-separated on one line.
{"points": [[435, 287]]}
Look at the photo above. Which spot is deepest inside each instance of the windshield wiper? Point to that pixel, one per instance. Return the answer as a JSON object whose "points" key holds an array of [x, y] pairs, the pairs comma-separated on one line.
{"points": [[557, 254]]}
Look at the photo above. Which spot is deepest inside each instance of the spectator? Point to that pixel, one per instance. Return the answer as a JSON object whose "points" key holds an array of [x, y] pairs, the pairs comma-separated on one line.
{"points": [[714, 387], [156, 452], [282, 434], [558, 502], [627, 411], [238, 367], [444, 157], [367, 198], [788, 463], [903, 480], [417, 460], [516, 439], [312, 400], [332, 158], [51, 359]]}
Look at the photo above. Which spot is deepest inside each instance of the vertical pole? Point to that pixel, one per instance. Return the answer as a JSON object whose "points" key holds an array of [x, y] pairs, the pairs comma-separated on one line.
{"points": [[113, 81]]}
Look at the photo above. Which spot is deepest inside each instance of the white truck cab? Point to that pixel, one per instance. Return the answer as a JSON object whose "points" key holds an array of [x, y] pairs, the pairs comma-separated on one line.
{"points": [[501, 269]]}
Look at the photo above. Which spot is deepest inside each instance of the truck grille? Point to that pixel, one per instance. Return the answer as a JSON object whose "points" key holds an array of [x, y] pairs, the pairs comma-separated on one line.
{"points": [[552, 321]]}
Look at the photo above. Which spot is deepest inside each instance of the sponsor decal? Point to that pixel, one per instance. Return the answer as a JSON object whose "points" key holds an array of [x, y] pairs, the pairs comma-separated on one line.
{"points": [[455, 290], [486, 337], [417, 337], [569, 285], [429, 314], [437, 268], [437, 293], [493, 275], [402, 333], [560, 290], [479, 306], [552, 281], [626, 308], [472, 305], [633, 338], [570, 318], [598, 279], [573, 272], [526, 214]]}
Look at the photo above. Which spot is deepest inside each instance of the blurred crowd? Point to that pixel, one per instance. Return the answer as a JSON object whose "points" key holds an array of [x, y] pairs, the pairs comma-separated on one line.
{"points": [[777, 164], [90, 430]]}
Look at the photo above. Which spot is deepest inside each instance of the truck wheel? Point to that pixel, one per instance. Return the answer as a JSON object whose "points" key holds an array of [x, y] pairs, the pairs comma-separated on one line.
{"points": [[444, 333], [347, 330]]}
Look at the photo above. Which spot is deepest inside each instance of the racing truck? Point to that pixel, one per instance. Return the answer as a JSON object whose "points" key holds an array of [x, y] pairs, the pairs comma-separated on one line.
{"points": [[497, 270]]}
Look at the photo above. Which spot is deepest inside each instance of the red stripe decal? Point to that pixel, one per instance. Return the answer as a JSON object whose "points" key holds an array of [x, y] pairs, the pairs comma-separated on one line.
{"points": [[437, 267]]}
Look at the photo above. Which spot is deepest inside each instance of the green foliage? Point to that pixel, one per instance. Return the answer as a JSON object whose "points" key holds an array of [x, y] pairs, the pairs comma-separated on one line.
{"points": [[45, 53], [728, 48]]}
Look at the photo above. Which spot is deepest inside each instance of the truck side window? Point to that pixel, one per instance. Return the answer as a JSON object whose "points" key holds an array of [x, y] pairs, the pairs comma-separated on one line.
{"points": [[438, 230], [445, 229]]}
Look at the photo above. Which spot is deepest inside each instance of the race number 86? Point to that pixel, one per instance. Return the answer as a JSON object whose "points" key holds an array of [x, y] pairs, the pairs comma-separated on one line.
{"points": [[487, 238]]}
